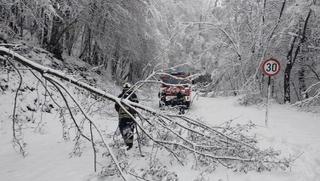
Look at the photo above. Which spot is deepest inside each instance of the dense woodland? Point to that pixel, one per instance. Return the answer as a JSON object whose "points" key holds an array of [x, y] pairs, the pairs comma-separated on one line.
{"points": [[224, 41], [227, 39]]}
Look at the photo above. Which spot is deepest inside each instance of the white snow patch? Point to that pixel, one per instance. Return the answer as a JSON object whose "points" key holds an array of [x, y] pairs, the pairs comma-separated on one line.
{"points": [[291, 131]]}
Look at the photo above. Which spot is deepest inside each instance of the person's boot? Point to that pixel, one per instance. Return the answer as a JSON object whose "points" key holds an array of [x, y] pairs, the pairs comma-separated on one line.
{"points": [[129, 146]]}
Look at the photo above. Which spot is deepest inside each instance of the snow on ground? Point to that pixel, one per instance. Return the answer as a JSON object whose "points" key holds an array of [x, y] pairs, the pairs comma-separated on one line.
{"points": [[289, 130], [47, 159]]}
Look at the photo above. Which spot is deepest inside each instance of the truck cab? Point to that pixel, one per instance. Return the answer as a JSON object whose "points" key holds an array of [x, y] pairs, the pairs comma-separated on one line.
{"points": [[175, 89]]}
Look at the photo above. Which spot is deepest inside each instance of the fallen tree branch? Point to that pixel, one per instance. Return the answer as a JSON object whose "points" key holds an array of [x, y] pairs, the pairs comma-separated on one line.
{"points": [[17, 141], [54, 81], [207, 142], [70, 111], [45, 87]]}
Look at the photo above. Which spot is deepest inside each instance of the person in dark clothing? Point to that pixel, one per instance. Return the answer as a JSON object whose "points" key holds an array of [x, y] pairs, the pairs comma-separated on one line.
{"points": [[127, 123]]}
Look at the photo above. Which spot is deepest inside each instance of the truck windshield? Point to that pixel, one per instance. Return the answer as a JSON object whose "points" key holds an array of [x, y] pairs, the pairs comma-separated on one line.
{"points": [[172, 80]]}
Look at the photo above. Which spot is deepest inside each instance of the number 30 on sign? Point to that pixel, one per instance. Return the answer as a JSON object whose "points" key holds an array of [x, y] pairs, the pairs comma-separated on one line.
{"points": [[271, 67]]}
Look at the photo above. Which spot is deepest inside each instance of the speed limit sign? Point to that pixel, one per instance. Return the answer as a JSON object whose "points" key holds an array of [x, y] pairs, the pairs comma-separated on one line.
{"points": [[271, 67]]}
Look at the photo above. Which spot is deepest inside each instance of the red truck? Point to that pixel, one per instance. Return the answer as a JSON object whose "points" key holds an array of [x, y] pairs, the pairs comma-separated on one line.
{"points": [[175, 89]]}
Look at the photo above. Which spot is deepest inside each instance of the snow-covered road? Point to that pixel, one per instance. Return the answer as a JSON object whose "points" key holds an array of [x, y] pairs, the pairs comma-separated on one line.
{"points": [[291, 131]]}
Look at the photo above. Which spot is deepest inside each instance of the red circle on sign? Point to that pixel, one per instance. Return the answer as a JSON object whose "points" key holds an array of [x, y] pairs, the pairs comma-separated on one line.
{"points": [[271, 67]]}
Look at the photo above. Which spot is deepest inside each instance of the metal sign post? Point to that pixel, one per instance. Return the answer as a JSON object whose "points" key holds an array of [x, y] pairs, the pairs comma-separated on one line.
{"points": [[268, 98], [270, 68]]}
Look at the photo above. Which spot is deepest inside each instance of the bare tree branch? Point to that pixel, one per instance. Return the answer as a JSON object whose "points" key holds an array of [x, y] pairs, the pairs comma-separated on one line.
{"points": [[17, 141]]}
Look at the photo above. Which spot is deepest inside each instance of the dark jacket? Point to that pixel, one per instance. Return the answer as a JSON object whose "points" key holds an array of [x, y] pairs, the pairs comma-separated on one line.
{"points": [[122, 113]]}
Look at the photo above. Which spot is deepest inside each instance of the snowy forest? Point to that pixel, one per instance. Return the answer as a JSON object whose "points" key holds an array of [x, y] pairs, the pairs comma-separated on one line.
{"points": [[63, 64]]}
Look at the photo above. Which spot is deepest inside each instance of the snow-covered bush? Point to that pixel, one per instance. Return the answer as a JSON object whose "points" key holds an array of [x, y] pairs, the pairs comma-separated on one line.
{"points": [[250, 99]]}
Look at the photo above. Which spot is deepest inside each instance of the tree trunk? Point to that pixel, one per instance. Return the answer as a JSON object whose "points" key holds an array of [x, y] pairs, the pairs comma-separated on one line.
{"points": [[21, 19], [86, 46], [286, 85], [291, 58], [44, 37], [296, 91], [302, 83], [55, 45]]}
